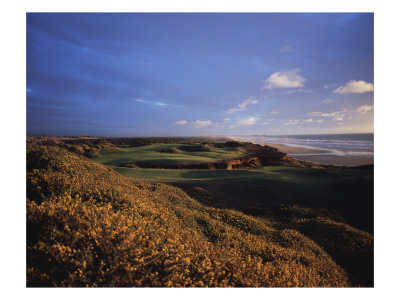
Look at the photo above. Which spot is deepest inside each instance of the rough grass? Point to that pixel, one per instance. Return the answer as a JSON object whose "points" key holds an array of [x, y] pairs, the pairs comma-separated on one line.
{"points": [[89, 226], [170, 150]]}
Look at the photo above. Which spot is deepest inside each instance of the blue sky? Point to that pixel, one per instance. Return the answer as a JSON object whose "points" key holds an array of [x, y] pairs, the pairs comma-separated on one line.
{"points": [[163, 74]]}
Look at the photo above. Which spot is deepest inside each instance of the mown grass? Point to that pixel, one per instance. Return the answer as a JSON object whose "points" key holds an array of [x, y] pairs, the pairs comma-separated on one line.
{"points": [[89, 226], [151, 154]]}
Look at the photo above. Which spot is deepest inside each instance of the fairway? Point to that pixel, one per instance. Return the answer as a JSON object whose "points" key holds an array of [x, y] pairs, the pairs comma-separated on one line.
{"points": [[349, 192], [151, 154]]}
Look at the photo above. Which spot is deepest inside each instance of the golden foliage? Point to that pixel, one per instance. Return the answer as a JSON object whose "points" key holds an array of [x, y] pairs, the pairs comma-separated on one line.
{"points": [[89, 226]]}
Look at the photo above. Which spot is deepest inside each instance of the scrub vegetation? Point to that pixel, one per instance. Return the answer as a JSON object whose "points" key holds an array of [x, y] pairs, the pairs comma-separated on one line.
{"points": [[88, 225]]}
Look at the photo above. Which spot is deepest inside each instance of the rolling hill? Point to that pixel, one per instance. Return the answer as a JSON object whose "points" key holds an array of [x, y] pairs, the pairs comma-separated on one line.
{"points": [[87, 225]]}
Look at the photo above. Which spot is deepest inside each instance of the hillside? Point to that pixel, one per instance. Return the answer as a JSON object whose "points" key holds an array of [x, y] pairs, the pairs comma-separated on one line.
{"points": [[87, 225]]}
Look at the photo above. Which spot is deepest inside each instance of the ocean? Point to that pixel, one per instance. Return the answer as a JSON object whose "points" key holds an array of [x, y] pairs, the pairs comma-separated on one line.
{"points": [[336, 145]]}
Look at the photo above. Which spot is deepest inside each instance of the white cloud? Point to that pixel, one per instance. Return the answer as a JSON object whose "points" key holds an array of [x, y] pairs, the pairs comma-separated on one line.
{"points": [[227, 120], [364, 109], [296, 122], [157, 103], [314, 113], [180, 123], [201, 124], [336, 115], [195, 124], [292, 91], [314, 121], [326, 86], [249, 121], [355, 87], [242, 106], [284, 79], [327, 100], [329, 115], [274, 112], [292, 122]]}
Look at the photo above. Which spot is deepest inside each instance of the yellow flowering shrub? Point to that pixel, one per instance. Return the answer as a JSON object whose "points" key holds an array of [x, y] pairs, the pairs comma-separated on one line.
{"points": [[89, 226]]}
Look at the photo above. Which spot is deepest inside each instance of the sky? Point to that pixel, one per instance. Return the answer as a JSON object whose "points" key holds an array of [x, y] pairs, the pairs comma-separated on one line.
{"points": [[187, 74]]}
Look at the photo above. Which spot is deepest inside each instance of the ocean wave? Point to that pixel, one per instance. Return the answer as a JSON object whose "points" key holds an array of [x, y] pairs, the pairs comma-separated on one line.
{"points": [[354, 145]]}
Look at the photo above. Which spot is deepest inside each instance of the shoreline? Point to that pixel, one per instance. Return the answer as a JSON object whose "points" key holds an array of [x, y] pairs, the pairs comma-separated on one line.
{"points": [[315, 156]]}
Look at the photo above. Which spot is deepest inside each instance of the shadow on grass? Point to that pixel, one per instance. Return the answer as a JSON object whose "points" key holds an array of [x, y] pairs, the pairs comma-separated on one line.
{"points": [[347, 192]]}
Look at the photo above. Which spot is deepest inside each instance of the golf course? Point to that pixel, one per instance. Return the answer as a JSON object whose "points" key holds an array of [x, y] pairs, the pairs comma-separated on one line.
{"points": [[347, 191], [192, 212]]}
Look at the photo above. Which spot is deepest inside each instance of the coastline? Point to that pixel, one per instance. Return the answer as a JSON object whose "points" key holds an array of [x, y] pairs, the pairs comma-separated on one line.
{"points": [[315, 156]]}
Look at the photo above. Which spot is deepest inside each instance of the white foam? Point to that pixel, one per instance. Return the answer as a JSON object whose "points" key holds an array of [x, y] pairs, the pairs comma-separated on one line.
{"points": [[332, 147]]}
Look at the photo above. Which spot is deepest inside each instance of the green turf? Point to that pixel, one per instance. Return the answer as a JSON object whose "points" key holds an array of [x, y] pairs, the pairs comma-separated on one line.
{"points": [[151, 154], [346, 191]]}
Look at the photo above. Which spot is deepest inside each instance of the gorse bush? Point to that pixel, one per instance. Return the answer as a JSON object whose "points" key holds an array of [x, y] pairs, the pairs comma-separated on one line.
{"points": [[170, 150], [201, 195], [350, 247], [89, 226]]}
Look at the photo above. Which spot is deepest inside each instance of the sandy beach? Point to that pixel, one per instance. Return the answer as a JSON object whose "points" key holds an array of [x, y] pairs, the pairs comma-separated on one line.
{"points": [[316, 156], [338, 160], [291, 150]]}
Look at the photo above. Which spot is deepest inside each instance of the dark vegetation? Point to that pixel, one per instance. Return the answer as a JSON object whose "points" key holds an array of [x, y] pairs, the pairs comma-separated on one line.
{"points": [[194, 148], [170, 150], [89, 147], [87, 225], [346, 192]]}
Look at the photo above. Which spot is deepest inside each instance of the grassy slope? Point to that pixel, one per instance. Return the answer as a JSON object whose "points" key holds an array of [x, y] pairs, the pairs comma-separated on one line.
{"points": [[88, 225]]}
